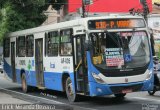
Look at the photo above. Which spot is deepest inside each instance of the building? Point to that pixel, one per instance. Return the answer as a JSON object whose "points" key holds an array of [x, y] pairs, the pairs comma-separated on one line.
{"points": [[72, 9], [154, 24], [52, 16], [107, 6], [154, 18], [156, 6]]}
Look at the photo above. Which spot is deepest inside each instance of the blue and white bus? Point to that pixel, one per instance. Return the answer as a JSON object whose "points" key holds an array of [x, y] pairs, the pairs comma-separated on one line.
{"points": [[92, 56]]}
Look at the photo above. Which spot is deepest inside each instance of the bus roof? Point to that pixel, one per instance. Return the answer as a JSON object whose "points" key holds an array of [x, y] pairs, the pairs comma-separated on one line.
{"points": [[66, 24]]}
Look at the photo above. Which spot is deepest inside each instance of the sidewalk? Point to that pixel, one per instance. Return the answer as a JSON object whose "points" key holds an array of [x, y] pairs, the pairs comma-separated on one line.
{"points": [[9, 98], [6, 82]]}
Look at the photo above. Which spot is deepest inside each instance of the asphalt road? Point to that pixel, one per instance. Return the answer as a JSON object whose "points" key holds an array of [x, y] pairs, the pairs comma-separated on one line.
{"points": [[132, 101]]}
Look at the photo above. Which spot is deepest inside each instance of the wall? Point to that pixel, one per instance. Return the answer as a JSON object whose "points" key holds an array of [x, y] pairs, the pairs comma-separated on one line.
{"points": [[154, 21], [108, 5]]}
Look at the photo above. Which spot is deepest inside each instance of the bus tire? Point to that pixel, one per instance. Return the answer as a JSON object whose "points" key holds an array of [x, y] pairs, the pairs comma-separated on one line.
{"points": [[25, 87], [152, 91], [121, 95], [72, 97]]}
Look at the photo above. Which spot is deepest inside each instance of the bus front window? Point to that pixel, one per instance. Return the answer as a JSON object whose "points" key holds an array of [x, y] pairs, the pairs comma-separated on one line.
{"points": [[120, 50]]}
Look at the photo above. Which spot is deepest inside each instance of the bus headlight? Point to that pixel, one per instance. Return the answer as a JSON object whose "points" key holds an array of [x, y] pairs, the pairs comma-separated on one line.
{"points": [[97, 78], [149, 75]]}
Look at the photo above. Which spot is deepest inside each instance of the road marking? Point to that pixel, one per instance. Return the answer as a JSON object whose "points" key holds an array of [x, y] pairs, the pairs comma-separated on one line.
{"points": [[146, 99], [55, 102]]}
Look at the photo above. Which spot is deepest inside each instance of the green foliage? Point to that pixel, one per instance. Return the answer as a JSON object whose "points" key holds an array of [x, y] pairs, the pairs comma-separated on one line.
{"points": [[20, 14]]}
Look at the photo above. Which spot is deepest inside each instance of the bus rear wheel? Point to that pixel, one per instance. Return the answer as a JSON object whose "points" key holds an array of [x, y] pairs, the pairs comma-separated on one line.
{"points": [[24, 83], [121, 95], [71, 95]]}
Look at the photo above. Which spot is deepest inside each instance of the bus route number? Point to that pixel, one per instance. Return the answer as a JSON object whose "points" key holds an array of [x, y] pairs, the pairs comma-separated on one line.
{"points": [[65, 60]]}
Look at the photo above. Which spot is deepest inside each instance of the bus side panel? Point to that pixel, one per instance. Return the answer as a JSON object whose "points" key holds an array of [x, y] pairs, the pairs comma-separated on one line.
{"points": [[149, 84], [30, 75], [18, 76], [27, 65], [53, 80], [32, 81], [95, 88], [7, 67], [54, 69], [18, 70]]}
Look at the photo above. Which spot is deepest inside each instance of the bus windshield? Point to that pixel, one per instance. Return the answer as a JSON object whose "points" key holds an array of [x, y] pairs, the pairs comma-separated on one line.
{"points": [[120, 50]]}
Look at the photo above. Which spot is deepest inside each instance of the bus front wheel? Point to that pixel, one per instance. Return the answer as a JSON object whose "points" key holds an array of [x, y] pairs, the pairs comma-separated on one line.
{"points": [[71, 95]]}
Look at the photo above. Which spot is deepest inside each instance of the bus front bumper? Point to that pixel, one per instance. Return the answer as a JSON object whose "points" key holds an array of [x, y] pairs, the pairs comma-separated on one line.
{"points": [[97, 89]]}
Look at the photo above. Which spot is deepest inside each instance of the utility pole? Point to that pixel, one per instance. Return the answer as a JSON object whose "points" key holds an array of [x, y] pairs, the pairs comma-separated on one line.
{"points": [[145, 9], [84, 3], [145, 13], [83, 9]]}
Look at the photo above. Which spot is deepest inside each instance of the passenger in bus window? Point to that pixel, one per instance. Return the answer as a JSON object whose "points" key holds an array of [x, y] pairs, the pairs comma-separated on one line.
{"points": [[103, 47], [69, 48], [66, 49], [62, 49]]}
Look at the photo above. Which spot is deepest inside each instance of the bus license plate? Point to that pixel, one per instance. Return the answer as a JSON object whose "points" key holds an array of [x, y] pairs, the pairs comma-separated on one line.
{"points": [[126, 90]]}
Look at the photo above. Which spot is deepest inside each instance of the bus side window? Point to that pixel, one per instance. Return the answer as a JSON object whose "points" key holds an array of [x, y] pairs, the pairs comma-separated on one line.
{"points": [[29, 45], [66, 44], [52, 42], [6, 47], [21, 46]]}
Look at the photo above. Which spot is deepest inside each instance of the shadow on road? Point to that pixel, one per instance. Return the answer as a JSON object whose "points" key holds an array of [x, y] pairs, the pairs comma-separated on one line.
{"points": [[61, 96]]}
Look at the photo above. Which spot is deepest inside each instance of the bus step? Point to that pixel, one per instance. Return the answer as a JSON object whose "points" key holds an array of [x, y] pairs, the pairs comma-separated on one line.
{"points": [[80, 93], [41, 87], [80, 85]]}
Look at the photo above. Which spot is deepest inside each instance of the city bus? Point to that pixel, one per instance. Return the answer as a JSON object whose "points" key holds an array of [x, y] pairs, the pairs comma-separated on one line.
{"points": [[93, 56]]}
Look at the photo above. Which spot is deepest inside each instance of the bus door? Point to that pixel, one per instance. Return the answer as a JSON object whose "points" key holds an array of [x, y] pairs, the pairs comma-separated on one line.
{"points": [[80, 65], [13, 61], [39, 62]]}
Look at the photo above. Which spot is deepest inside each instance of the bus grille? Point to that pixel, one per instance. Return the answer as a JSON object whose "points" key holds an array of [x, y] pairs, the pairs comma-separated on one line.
{"points": [[118, 73]]}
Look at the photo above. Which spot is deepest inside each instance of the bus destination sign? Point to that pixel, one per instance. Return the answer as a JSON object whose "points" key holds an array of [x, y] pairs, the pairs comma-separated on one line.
{"points": [[116, 24]]}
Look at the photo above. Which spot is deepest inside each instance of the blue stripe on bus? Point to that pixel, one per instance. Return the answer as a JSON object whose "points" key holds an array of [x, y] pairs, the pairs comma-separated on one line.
{"points": [[7, 69], [51, 80]]}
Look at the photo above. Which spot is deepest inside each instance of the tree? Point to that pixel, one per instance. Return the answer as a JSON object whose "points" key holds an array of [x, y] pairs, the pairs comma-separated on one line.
{"points": [[20, 14]]}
